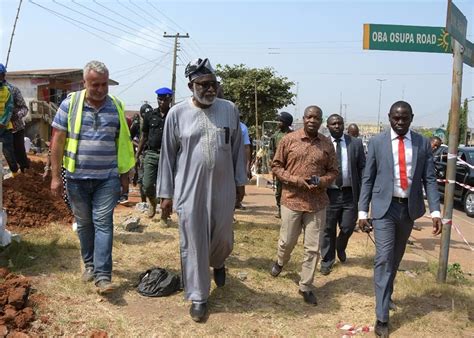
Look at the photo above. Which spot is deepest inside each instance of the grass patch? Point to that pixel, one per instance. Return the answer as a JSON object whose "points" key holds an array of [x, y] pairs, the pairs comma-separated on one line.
{"points": [[256, 304]]}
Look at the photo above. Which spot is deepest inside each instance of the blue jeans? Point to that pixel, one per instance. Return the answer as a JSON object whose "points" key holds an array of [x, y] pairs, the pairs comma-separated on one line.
{"points": [[93, 203], [6, 137]]}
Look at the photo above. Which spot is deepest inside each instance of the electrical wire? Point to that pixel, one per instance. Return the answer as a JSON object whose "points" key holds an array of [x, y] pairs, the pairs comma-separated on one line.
{"points": [[154, 41], [128, 19], [72, 21], [143, 76], [103, 31]]}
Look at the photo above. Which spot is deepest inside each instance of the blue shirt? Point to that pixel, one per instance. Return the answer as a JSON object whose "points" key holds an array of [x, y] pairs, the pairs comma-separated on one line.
{"points": [[96, 156], [245, 134]]}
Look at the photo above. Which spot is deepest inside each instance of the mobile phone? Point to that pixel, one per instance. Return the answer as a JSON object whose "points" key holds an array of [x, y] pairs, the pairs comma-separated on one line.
{"points": [[314, 180]]}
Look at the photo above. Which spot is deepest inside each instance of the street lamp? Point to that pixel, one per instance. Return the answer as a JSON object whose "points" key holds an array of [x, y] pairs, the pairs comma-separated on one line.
{"points": [[256, 115], [380, 101]]}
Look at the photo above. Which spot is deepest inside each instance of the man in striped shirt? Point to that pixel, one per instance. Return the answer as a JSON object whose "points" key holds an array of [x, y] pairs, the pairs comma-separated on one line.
{"points": [[92, 134]]}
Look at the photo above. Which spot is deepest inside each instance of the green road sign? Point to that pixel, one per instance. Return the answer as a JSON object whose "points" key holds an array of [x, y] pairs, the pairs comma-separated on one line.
{"points": [[407, 38], [456, 23]]}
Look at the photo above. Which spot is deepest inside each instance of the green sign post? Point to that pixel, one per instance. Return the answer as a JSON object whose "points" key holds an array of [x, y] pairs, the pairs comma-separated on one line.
{"points": [[407, 38]]}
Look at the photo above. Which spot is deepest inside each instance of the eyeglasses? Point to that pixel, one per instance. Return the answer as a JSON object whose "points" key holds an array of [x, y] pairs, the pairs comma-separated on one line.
{"points": [[208, 84]]}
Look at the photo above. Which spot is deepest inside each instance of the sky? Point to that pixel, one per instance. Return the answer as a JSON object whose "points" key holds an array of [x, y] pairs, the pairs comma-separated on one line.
{"points": [[315, 44]]}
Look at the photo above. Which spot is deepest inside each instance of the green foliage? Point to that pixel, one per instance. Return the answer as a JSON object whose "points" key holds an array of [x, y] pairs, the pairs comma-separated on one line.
{"points": [[240, 83], [455, 271], [426, 132], [462, 123]]}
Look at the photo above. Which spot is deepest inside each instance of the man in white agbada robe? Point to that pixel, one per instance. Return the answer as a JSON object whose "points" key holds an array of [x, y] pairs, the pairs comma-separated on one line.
{"points": [[202, 162]]}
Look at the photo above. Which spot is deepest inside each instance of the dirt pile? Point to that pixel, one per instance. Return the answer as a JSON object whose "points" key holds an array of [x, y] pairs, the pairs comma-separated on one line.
{"points": [[15, 312], [29, 202]]}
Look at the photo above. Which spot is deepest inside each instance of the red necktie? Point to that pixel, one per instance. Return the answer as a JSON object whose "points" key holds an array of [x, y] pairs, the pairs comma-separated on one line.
{"points": [[402, 163]]}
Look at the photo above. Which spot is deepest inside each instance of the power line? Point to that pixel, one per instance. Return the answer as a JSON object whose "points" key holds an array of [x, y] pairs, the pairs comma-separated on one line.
{"points": [[136, 66], [129, 20], [198, 49], [168, 18], [143, 76], [72, 21], [103, 31], [148, 13], [118, 22], [134, 12]]}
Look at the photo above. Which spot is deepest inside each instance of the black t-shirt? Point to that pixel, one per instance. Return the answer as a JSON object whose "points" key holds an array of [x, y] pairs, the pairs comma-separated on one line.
{"points": [[153, 124]]}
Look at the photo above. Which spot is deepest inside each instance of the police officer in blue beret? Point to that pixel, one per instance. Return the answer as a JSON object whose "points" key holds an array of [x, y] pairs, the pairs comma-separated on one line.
{"points": [[152, 133]]}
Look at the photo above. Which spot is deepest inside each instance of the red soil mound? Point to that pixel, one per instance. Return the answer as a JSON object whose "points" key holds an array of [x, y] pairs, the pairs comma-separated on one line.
{"points": [[29, 202], [15, 312]]}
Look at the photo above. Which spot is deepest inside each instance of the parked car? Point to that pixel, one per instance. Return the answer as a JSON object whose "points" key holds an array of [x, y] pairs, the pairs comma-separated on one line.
{"points": [[464, 174]]}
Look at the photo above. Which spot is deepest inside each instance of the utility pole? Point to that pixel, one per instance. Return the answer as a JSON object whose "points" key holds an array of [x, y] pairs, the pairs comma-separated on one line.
{"points": [[340, 104], [296, 104], [452, 157], [13, 33], [175, 57], [256, 116], [380, 102]]}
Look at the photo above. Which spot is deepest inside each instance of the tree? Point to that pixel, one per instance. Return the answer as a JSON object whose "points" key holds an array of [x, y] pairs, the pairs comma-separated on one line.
{"points": [[239, 84], [462, 138]]}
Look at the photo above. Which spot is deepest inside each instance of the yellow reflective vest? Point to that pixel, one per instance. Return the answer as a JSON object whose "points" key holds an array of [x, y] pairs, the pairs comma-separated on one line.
{"points": [[125, 154]]}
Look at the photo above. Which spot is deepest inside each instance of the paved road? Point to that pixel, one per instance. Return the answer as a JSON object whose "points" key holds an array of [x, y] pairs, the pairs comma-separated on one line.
{"points": [[459, 251]]}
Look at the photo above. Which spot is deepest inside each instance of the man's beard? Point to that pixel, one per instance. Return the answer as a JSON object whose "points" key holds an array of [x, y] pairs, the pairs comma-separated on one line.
{"points": [[203, 100]]}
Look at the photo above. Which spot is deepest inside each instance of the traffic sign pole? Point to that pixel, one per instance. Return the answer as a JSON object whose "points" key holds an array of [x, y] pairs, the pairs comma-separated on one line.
{"points": [[452, 157]]}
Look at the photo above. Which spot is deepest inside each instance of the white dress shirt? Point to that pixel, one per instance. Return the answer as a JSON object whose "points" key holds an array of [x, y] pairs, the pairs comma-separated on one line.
{"points": [[346, 178], [397, 189]]}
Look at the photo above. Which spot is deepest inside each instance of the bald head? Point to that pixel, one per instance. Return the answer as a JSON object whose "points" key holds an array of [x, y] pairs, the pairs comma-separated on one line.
{"points": [[353, 130]]}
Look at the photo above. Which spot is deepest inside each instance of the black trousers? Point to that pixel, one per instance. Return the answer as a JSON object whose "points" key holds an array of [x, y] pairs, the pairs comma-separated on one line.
{"points": [[19, 149], [342, 212]]}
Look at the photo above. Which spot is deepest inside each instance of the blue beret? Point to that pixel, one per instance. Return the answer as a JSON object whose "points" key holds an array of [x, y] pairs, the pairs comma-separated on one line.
{"points": [[164, 91], [3, 69]]}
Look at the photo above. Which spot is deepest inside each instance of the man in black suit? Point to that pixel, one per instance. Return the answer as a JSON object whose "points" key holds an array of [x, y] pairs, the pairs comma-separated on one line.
{"points": [[343, 194]]}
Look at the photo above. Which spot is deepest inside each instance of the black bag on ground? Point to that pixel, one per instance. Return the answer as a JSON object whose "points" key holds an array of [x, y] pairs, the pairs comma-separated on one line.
{"points": [[158, 282]]}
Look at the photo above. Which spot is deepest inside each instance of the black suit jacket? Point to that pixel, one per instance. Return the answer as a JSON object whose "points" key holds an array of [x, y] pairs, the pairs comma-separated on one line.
{"points": [[356, 160]]}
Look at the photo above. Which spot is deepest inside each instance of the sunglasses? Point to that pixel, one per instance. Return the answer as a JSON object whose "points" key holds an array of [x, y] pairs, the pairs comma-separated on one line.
{"points": [[208, 84]]}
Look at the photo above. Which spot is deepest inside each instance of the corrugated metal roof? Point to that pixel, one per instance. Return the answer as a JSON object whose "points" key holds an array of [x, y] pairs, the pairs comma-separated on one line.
{"points": [[44, 72], [55, 73]]}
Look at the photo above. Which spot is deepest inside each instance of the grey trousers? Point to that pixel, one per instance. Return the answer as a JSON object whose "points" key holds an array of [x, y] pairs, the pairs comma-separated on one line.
{"points": [[391, 235], [292, 223]]}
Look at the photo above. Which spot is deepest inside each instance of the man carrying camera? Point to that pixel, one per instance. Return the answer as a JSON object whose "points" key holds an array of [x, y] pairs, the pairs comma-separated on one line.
{"points": [[305, 162]]}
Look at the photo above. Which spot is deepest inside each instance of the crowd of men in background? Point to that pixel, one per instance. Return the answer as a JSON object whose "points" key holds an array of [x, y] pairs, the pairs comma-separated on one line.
{"points": [[195, 157]]}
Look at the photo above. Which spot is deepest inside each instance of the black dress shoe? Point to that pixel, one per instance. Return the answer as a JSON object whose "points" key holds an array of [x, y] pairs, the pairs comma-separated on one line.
{"points": [[198, 311], [219, 276], [381, 329], [309, 297], [342, 256], [276, 269], [325, 271]]}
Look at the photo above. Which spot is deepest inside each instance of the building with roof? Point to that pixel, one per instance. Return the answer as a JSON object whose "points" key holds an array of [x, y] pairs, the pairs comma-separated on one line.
{"points": [[43, 91]]}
